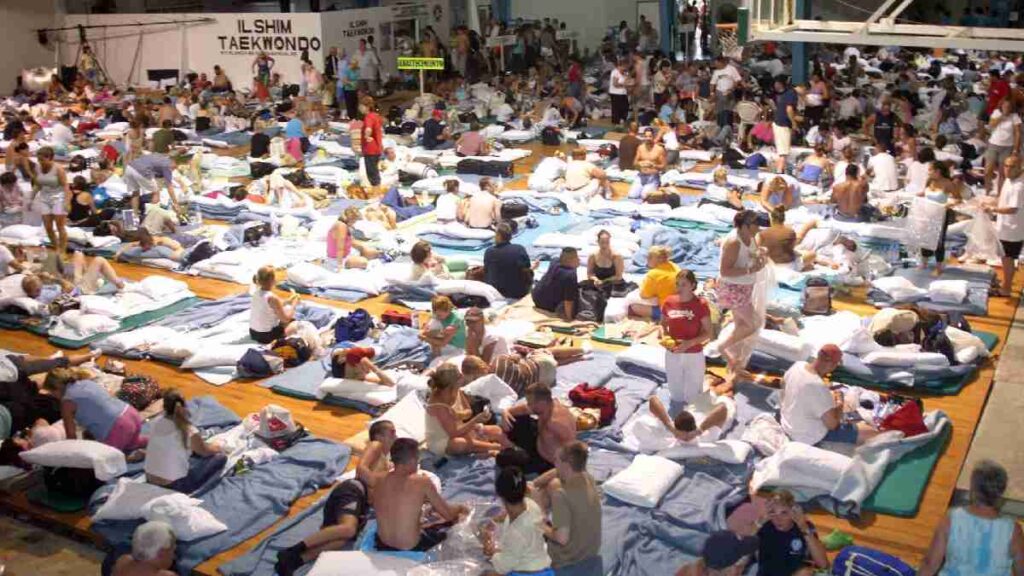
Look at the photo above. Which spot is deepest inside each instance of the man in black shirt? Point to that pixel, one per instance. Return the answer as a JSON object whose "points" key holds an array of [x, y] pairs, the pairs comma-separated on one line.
{"points": [[435, 134], [507, 265], [788, 543], [558, 290]]}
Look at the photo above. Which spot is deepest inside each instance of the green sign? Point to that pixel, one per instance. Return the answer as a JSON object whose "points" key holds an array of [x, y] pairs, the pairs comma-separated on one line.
{"points": [[413, 63]]}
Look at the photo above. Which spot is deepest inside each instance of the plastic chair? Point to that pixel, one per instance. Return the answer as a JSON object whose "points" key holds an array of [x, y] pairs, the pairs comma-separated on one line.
{"points": [[749, 113]]}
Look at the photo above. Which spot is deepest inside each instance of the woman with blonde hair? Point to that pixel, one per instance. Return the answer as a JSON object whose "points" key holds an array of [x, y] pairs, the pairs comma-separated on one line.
{"points": [[269, 315], [446, 433], [86, 403], [173, 440], [343, 251]]}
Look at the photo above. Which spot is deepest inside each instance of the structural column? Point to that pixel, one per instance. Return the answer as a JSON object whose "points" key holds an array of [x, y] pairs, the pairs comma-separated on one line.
{"points": [[667, 10], [799, 49]]}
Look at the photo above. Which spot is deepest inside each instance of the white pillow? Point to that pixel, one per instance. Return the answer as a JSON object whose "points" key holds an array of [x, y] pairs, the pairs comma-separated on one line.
{"points": [[369, 282], [157, 287], [500, 394], [216, 355], [728, 451], [899, 358], [643, 355], [177, 347], [306, 274], [898, 287], [29, 305], [106, 462], [183, 514], [368, 392], [949, 291], [409, 417], [470, 287], [92, 304], [89, 324], [644, 482], [782, 345], [21, 231], [127, 500]]}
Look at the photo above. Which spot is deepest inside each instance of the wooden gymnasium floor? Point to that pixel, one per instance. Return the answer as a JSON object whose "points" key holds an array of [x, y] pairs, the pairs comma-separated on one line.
{"points": [[908, 538]]}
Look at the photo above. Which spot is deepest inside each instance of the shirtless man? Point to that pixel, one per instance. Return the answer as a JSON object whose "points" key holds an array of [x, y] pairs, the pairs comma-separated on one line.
{"points": [[153, 547], [542, 438], [399, 497], [168, 112], [851, 195], [650, 160], [345, 511], [172, 250]]}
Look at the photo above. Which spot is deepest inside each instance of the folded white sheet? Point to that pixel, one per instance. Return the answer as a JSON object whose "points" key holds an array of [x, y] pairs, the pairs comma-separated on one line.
{"points": [[898, 287]]}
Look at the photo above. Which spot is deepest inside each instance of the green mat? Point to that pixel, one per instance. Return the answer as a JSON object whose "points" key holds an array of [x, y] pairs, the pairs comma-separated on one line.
{"points": [[599, 336], [130, 323], [691, 225], [901, 489], [938, 387], [57, 501]]}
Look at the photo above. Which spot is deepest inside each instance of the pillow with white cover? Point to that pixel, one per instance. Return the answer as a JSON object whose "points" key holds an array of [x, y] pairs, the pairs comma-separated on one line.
{"points": [[127, 500], [31, 306], [948, 291], [21, 232], [728, 451], [157, 287], [494, 389], [177, 347], [216, 355], [183, 514], [408, 416], [644, 482], [358, 390], [644, 356], [898, 288], [306, 274], [784, 346], [967, 346], [92, 304], [366, 281], [905, 359], [105, 461], [470, 287], [89, 324]]}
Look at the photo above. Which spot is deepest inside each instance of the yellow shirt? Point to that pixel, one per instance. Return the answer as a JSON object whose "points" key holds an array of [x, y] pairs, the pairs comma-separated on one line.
{"points": [[660, 282]]}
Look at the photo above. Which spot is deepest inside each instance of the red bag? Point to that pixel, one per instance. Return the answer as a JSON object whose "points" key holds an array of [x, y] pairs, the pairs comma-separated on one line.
{"points": [[583, 396], [908, 419], [396, 317], [110, 153]]}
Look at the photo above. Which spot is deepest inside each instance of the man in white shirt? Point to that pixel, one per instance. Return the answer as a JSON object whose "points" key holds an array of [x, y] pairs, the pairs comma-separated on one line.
{"points": [[548, 175], [849, 107], [1004, 139], [1010, 219], [812, 413], [882, 167], [724, 79], [618, 87], [61, 133]]}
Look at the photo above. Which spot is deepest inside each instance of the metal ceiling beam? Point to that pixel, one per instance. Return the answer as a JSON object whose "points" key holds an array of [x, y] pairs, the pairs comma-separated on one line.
{"points": [[897, 39], [910, 29]]}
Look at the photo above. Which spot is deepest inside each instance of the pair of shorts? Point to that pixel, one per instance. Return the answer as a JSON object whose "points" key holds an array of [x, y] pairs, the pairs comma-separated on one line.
{"points": [[350, 498], [996, 155], [732, 296], [125, 434], [783, 139], [1011, 250], [430, 536], [51, 204], [844, 434], [267, 337]]}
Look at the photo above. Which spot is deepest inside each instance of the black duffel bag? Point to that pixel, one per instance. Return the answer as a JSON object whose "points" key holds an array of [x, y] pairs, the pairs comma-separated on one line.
{"points": [[511, 209]]}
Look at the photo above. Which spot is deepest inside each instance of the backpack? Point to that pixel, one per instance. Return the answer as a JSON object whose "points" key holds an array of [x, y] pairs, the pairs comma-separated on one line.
{"points": [[252, 234], [259, 364], [354, 327], [817, 297], [583, 396], [592, 303], [201, 251], [294, 351], [514, 209], [861, 561], [908, 418], [550, 136], [609, 151]]}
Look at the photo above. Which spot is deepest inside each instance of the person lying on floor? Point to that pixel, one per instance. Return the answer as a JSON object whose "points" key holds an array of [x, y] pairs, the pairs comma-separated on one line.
{"points": [[542, 437], [399, 498], [46, 287], [658, 284], [153, 549], [343, 250], [149, 246], [172, 442], [446, 327], [522, 366], [571, 496], [716, 413], [86, 403], [446, 432], [811, 412], [427, 266], [520, 548], [269, 315], [357, 364], [347, 506], [558, 290]]}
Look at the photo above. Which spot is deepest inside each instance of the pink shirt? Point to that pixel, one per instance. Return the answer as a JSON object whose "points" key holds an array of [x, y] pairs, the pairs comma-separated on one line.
{"points": [[332, 244]]}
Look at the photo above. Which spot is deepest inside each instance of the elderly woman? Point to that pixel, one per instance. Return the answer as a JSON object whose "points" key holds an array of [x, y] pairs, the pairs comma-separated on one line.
{"points": [[976, 539]]}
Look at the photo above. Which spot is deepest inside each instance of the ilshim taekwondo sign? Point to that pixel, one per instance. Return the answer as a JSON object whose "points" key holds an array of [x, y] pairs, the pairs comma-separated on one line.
{"points": [[277, 36]]}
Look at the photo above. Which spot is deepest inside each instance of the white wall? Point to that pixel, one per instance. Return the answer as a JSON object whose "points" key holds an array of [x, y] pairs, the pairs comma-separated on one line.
{"points": [[19, 47], [590, 18], [197, 47]]}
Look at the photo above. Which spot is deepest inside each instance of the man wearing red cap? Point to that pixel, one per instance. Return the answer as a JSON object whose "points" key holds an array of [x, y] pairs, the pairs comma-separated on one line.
{"points": [[813, 413]]}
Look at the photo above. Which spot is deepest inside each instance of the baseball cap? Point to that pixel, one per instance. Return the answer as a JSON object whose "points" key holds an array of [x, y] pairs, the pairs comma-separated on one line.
{"points": [[831, 352], [723, 549]]}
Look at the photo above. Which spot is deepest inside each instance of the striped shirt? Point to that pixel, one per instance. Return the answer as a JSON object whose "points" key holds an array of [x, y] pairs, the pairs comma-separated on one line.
{"points": [[515, 371]]}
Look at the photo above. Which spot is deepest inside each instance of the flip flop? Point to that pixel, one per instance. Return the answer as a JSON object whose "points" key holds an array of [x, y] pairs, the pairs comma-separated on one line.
{"points": [[837, 540]]}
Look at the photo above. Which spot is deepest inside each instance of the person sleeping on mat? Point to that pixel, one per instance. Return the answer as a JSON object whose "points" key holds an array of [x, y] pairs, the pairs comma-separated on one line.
{"points": [[149, 246], [357, 364]]}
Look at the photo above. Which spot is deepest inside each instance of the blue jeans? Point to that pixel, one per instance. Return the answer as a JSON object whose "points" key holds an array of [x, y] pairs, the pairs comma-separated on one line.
{"points": [[844, 434]]}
